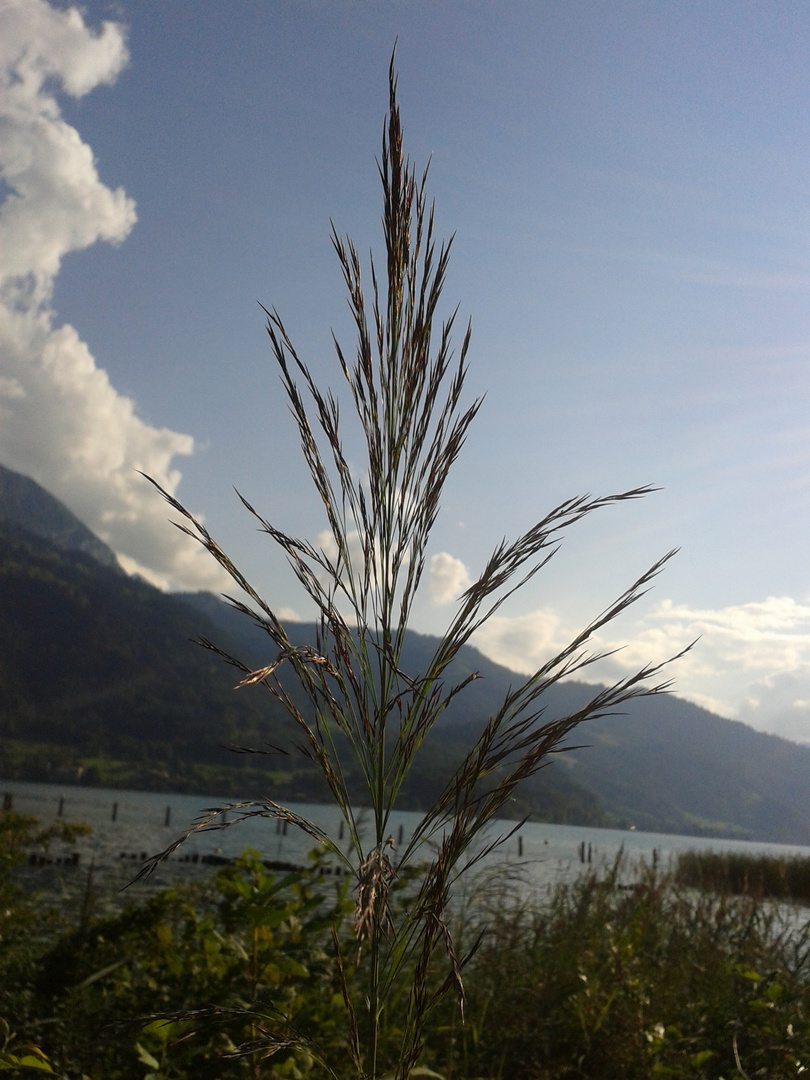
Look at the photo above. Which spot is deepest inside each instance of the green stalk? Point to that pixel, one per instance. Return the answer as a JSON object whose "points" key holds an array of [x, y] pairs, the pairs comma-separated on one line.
{"points": [[406, 389]]}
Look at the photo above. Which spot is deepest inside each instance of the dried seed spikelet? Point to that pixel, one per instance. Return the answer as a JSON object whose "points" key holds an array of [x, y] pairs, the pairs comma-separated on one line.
{"points": [[373, 885]]}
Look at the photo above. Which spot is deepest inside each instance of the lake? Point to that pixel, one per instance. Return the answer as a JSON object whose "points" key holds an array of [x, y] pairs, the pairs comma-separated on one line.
{"points": [[127, 826]]}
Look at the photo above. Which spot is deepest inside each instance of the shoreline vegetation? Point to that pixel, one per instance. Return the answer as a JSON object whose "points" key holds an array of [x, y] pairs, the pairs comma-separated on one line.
{"points": [[737, 874], [586, 979]]}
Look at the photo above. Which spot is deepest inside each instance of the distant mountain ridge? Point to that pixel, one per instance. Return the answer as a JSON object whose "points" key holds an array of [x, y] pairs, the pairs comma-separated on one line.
{"points": [[664, 765], [30, 507], [99, 683]]}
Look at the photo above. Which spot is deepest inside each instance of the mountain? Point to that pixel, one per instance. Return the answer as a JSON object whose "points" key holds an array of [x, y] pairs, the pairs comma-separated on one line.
{"points": [[26, 505], [99, 682], [665, 765]]}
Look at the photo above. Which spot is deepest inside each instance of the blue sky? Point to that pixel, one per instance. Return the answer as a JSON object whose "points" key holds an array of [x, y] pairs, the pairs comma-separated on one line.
{"points": [[629, 184]]}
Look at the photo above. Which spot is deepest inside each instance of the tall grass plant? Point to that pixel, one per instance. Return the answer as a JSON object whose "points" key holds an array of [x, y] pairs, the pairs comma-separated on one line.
{"points": [[404, 387]]}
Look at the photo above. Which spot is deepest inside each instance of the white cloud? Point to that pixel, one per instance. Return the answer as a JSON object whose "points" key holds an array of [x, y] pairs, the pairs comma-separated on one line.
{"points": [[758, 638], [752, 661], [40, 42], [448, 578], [326, 542], [288, 614], [62, 421], [780, 704], [520, 642], [56, 202]]}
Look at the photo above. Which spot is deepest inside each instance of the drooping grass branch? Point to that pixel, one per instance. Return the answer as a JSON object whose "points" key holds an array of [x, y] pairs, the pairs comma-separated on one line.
{"points": [[405, 387]]}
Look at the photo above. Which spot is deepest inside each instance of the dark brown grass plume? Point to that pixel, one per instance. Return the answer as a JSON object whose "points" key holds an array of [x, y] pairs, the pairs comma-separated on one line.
{"points": [[405, 386]]}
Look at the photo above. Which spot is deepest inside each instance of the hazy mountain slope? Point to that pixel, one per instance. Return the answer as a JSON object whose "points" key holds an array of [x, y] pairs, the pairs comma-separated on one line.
{"points": [[667, 765], [97, 670], [477, 703], [673, 766], [99, 664], [25, 504]]}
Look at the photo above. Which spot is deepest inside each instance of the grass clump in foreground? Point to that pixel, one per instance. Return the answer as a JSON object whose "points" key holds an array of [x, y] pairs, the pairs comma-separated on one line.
{"points": [[379, 479], [610, 984], [776, 876]]}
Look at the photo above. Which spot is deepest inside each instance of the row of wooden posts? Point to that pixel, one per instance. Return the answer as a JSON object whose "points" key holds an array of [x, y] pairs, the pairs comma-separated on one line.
{"points": [[8, 804], [166, 821], [585, 851]]}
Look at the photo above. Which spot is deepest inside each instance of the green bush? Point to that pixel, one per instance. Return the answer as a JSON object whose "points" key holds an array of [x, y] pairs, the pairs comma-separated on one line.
{"points": [[20, 1057], [228, 959], [27, 926]]}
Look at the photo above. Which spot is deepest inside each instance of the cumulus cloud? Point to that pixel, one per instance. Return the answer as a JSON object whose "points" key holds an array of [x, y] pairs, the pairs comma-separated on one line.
{"points": [[288, 614], [752, 661], [757, 655], [326, 542], [770, 636], [448, 578], [520, 642], [61, 420], [780, 704]]}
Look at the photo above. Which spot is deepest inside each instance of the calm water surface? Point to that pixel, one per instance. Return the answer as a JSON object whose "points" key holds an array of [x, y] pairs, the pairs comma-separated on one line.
{"points": [[127, 826]]}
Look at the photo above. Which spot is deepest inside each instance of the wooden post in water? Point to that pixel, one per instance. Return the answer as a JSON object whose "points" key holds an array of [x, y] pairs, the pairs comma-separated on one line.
{"points": [[61, 805], [168, 816], [115, 811], [8, 801]]}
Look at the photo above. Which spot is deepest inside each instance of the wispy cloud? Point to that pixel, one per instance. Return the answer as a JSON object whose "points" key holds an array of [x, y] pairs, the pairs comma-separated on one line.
{"points": [[741, 277], [61, 420], [768, 636], [780, 703]]}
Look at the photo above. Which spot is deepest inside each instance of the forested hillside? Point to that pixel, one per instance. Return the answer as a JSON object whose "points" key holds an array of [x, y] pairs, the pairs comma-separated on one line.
{"points": [[100, 682]]}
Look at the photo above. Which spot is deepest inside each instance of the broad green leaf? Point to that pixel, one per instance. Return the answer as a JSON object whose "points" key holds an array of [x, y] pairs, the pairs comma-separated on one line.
{"points": [[30, 1061]]}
